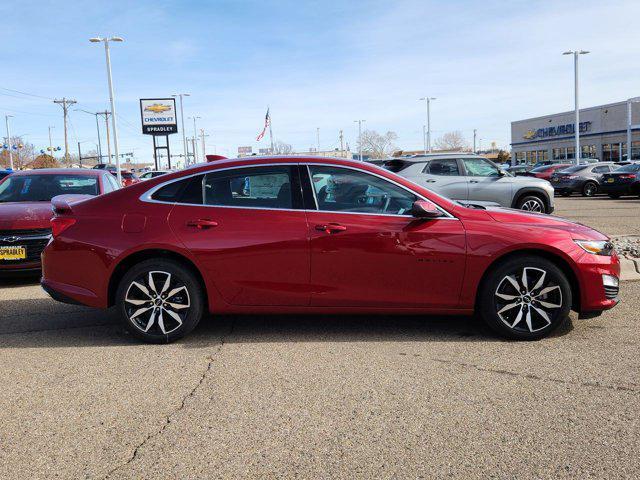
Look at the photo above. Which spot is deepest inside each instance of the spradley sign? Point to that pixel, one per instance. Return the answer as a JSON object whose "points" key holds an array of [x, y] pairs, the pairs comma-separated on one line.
{"points": [[567, 129], [158, 116]]}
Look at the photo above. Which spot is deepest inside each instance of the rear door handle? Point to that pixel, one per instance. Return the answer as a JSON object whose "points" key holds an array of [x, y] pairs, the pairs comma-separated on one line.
{"points": [[202, 223], [473, 181], [430, 181], [331, 228]]}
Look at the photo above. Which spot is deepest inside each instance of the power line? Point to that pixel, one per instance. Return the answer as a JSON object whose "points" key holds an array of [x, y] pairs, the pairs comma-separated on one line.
{"points": [[25, 93]]}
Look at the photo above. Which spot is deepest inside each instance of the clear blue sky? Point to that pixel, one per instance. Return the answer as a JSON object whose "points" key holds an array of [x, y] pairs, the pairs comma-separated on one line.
{"points": [[317, 64]]}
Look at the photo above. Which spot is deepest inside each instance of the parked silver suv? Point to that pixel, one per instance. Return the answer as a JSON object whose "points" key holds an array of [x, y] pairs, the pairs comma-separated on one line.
{"points": [[469, 177]]}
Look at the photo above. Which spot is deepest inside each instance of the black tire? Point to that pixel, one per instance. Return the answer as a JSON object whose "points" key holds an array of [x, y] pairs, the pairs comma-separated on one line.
{"points": [[166, 321], [532, 203], [615, 196], [496, 290], [589, 189]]}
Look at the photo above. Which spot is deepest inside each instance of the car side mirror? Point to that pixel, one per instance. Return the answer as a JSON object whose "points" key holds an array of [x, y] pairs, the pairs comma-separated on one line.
{"points": [[502, 172], [425, 209]]}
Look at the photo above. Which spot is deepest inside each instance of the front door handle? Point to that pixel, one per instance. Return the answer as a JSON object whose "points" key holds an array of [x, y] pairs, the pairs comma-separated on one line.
{"points": [[430, 181], [473, 181], [331, 228], [202, 223]]}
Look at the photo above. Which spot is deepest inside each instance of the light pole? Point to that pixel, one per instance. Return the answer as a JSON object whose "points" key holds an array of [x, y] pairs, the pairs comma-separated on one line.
{"points": [[195, 136], [111, 99], [6, 119], [50, 142], [318, 138], [575, 54], [184, 134], [97, 129], [630, 102], [427, 144], [359, 122]]}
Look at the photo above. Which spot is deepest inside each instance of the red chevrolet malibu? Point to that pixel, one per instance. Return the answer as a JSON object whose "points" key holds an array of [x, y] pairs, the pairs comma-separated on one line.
{"points": [[316, 235], [25, 210]]}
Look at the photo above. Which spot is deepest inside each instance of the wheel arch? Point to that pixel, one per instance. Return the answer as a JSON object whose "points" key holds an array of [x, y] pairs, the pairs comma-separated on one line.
{"points": [[555, 258], [538, 192], [140, 255]]}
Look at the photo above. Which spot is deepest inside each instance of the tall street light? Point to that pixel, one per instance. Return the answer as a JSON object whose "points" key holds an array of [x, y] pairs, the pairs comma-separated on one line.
{"points": [[427, 143], [98, 130], [195, 136], [6, 119], [359, 122], [630, 102], [575, 54], [106, 41], [184, 134]]}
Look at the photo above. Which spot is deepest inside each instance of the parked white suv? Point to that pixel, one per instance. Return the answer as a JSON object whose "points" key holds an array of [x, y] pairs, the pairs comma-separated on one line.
{"points": [[469, 178]]}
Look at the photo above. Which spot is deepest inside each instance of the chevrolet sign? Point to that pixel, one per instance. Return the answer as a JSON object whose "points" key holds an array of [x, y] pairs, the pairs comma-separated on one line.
{"points": [[567, 129], [158, 116]]}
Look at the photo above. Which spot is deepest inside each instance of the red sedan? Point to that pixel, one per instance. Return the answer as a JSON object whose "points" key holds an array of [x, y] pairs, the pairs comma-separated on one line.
{"points": [[546, 171], [129, 178], [25, 209], [300, 235]]}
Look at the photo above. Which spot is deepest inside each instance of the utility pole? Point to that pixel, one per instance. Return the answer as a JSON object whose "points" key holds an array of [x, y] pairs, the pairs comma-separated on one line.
{"points": [[79, 155], [184, 133], [359, 122], [202, 137], [97, 129], [341, 136], [475, 133], [106, 122], [195, 136], [318, 139], [428, 112], [64, 103], [575, 54], [6, 119], [195, 153]]}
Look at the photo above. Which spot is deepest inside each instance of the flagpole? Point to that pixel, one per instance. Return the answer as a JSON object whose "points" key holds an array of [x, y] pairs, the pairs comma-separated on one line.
{"points": [[270, 132]]}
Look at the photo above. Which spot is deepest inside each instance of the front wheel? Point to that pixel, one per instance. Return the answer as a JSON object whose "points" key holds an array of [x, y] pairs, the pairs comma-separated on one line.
{"points": [[160, 300], [531, 203], [589, 189], [525, 298]]}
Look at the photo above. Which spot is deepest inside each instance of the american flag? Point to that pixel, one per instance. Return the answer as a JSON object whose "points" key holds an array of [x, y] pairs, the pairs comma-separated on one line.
{"points": [[267, 122]]}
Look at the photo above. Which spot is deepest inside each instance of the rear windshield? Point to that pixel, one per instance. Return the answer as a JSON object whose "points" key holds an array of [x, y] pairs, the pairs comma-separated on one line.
{"points": [[395, 165], [42, 188], [574, 169], [543, 168], [633, 167]]}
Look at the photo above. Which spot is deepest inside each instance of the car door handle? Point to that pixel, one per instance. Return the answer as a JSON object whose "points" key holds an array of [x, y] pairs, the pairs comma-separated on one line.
{"points": [[430, 181], [473, 181], [202, 223], [331, 228]]}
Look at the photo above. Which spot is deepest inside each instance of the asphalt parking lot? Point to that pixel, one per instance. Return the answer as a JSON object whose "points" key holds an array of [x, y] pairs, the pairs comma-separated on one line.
{"points": [[321, 397]]}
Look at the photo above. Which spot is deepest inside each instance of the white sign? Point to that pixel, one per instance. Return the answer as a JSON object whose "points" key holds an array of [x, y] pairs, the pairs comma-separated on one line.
{"points": [[158, 116]]}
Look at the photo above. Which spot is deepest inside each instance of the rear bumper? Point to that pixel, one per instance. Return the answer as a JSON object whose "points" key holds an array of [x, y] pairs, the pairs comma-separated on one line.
{"points": [[623, 189], [69, 293]]}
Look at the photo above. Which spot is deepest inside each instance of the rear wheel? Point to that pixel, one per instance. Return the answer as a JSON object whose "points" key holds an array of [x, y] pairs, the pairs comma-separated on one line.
{"points": [[589, 189], [525, 298], [531, 203], [160, 300]]}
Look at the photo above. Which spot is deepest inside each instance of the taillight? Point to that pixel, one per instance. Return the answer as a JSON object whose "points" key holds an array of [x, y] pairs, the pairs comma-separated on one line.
{"points": [[60, 224], [627, 175]]}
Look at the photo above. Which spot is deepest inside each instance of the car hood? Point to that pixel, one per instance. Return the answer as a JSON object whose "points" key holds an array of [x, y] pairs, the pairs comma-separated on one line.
{"points": [[530, 219], [529, 180], [25, 215]]}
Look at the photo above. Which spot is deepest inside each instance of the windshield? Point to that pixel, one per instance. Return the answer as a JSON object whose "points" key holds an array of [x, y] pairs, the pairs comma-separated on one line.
{"points": [[633, 167], [542, 168], [574, 169], [42, 188]]}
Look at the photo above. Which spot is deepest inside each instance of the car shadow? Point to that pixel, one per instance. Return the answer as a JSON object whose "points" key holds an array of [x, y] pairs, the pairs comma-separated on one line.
{"points": [[43, 323]]}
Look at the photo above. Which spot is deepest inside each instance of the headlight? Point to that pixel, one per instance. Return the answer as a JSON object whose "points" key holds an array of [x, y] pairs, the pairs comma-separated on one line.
{"points": [[596, 247]]}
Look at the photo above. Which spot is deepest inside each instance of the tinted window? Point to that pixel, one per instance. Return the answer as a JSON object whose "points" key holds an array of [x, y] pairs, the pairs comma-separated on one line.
{"points": [[445, 166], [543, 168], [43, 187], [601, 169], [479, 167], [345, 190], [634, 167], [574, 169], [188, 190], [258, 187]]}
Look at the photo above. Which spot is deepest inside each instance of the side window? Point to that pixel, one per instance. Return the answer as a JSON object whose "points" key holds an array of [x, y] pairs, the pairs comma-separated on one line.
{"points": [[109, 182], [345, 190], [188, 190], [480, 167], [601, 169], [257, 187], [444, 166]]}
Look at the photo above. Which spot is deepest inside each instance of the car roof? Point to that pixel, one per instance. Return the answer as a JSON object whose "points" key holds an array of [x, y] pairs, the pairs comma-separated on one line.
{"points": [[60, 171]]}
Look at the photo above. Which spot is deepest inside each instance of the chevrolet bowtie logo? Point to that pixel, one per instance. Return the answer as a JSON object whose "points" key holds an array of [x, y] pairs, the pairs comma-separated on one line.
{"points": [[157, 108], [10, 239]]}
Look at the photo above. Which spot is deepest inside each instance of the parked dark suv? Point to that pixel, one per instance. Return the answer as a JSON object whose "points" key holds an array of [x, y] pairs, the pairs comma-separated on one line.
{"points": [[583, 179]]}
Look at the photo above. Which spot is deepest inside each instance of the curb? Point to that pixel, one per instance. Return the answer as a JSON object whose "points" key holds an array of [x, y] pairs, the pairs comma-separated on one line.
{"points": [[629, 269]]}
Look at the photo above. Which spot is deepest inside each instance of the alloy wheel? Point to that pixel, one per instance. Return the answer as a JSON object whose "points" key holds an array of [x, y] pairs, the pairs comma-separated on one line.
{"points": [[157, 302], [590, 190], [533, 205], [528, 301]]}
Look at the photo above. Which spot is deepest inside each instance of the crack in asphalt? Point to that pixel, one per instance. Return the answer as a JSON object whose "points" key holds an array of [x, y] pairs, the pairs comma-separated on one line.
{"points": [[183, 403], [530, 376]]}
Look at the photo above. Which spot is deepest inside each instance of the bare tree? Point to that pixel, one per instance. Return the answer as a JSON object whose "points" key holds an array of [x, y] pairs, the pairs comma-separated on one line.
{"points": [[23, 154], [282, 148], [452, 141], [376, 145]]}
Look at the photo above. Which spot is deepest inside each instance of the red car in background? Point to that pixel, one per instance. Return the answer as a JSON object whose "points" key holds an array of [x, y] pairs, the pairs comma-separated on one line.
{"points": [[25, 209], [319, 235], [546, 171], [129, 178]]}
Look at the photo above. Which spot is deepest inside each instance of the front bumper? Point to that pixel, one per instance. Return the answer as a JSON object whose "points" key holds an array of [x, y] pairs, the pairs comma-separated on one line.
{"points": [[594, 295]]}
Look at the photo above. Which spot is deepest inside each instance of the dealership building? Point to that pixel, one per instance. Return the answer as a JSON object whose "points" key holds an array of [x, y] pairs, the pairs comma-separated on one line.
{"points": [[603, 135]]}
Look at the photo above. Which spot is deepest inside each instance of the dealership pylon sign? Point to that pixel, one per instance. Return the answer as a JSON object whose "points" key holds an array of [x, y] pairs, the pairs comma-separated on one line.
{"points": [[159, 119]]}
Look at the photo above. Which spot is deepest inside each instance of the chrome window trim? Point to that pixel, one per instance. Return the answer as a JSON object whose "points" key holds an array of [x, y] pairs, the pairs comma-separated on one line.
{"points": [[146, 196]]}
